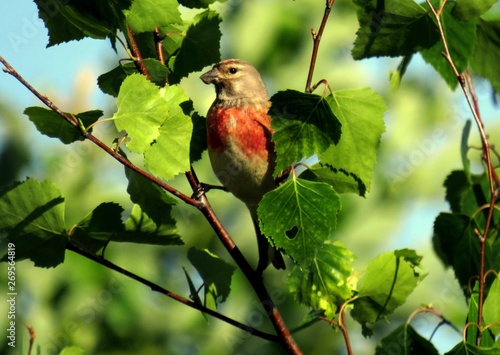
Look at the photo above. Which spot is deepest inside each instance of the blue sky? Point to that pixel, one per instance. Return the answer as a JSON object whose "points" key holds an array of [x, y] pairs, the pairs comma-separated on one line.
{"points": [[23, 44]]}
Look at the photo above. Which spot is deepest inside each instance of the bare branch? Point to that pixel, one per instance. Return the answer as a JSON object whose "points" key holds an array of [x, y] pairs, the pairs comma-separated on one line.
{"points": [[316, 36]]}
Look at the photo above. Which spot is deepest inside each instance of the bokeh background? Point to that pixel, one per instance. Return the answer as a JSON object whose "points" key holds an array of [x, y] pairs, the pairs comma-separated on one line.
{"points": [[82, 304]]}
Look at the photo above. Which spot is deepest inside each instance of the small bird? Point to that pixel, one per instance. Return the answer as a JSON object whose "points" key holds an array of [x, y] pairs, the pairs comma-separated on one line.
{"points": [[239, 141]]}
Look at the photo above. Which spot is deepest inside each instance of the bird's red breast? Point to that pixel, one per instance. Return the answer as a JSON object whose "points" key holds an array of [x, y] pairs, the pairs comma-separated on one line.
{"points": [[246, 127]]}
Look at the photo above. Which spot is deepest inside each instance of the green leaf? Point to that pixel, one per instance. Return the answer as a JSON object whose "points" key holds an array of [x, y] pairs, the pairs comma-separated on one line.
{"points": [[456, 185], [140, 228], [388, 280], [141, 112], [51, 124], [198, 4], [216, 275], [110, 82], [146, 15], [303, 125], [98, 227], [169, 153], [405, 340], [341, 181], [150, 197], [465, 10], [457, 246], [173, 35], [200, 47], [463, 348], [461, 39], [484, 60], [392, 28], [298, 217], [66, 22], [324, 284], [32, 217], [360, 111], [491, 307], [72, 350], [156, 123]]}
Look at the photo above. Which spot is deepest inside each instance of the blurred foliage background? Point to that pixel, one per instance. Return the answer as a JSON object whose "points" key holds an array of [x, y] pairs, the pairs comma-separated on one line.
{"points": [[83, 304]]}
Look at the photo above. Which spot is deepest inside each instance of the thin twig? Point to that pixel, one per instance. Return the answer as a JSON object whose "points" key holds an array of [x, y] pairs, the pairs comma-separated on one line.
{"points": [[159, 45], [156, 288], [31, 330], [139, 62], [470, 95], [436, 313], [316, 36], [341, 324]]}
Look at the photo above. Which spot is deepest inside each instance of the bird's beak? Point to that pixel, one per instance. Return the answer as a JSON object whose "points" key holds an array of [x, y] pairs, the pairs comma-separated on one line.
{"points": [[210, 77]]}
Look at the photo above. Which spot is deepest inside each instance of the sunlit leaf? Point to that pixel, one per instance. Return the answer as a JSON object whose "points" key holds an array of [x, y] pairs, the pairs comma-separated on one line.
{"points": [[361, 112], [169, 153], [385, 285], [146, 15], [299, 216], [324, 284]]}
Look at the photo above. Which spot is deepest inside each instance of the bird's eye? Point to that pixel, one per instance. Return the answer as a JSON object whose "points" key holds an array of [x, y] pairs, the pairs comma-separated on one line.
{"points": [[233, 70]]}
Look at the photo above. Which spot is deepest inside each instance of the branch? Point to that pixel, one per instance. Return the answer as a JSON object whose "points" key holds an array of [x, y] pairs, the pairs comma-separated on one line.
{"points": [[470, 95], [139, 62], [156, 288], [284, 336], [316, 36], [343, 327], [253, 278]]}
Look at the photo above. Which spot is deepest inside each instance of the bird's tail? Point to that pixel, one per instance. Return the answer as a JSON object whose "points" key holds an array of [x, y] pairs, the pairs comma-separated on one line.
{"points": [[267, 253]]}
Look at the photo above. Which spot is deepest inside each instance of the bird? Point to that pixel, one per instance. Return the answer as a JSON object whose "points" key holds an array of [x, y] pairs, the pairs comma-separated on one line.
{"points": [[239, 139]]}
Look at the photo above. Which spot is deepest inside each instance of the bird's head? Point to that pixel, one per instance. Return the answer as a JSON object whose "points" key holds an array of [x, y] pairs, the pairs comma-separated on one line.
{"points": [[236, 79]]}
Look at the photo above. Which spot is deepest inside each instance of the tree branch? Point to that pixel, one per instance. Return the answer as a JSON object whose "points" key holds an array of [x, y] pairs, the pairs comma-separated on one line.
{"points": [[283, 334], [156, 288]]}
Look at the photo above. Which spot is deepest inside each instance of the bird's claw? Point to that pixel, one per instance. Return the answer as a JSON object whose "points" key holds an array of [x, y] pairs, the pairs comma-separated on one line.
{"points": [[204, 188]]}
